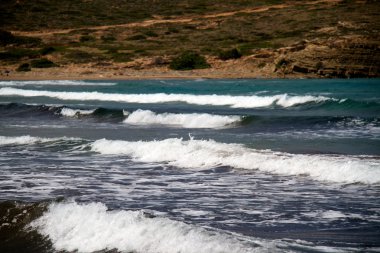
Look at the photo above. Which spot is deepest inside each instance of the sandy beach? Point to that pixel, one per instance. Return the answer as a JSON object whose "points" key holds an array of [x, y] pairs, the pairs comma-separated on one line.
{"points": [[142, 69]]}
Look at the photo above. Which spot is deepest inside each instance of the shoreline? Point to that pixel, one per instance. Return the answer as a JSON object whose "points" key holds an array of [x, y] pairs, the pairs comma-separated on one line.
{"points": [[119, 72]]}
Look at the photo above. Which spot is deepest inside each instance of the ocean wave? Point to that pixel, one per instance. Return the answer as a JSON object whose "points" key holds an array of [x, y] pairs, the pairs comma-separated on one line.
{"points": [[209, 153], [23, 140], [30, 140], [35, 110], [55, 83], [49, 226], [282, 100], [192, 120], [91, 227], [68, 112]]}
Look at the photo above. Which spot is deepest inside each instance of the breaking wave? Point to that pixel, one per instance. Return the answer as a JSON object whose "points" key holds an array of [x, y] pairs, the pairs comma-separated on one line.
{"points": [[59, 225], [68, 112], [91, 227], [205, 154], [24, 140], [138, 117], [282, 100], [30, 140], [209, 153], [192, 120]]}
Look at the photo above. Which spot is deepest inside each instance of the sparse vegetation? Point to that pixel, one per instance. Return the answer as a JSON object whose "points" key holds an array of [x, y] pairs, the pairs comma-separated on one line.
{"points": [[220, 37], [189, 60], [6, 38], [281, 63], [32, 15], [107, 38], [319, 65], [47, 50], [24, 67], [42, 63], [137, 37], [261, 65], [77, 56], [121, 57], [230, 54], [87, 38], [14, 54], [151, 34]]}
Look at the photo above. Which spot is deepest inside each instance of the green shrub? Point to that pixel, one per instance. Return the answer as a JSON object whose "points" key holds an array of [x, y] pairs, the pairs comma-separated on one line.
{"points": [[137, 37], [30, 41], [189, 60], [47, 50], [6, 38], [190, 27], [319, 65], [282, 62], [43, 63], [107, 38], [79, 56], [86, 38], [24, 67], [18, 53], [230, 54], [173, 30], [121, 57], [151, 34], [261, 65]]}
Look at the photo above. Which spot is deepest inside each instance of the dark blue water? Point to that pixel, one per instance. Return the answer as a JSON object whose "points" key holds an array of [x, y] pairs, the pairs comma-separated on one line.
{"points": [[258, 165]]}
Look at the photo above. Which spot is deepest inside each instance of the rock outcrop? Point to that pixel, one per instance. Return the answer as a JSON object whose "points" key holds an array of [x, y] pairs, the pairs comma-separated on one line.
{"points": [[347, 57]]}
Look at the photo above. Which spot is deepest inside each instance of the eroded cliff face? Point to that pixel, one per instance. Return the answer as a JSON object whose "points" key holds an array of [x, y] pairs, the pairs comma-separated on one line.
{"points": [[345, 57]]}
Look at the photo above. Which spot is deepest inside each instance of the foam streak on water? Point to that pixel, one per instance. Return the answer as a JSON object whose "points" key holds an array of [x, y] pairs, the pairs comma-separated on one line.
{"points": [[253, 101]]}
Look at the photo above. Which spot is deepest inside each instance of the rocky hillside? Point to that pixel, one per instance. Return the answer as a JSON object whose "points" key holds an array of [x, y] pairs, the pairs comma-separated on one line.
{"points": [[243, 38]]}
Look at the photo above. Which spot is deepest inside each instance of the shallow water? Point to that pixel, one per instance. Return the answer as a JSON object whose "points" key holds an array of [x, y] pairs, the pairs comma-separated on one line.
{"points": [[190, 166]]}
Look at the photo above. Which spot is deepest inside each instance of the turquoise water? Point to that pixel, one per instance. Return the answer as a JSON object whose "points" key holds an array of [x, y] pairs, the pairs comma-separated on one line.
{"points": [[249, 165]]}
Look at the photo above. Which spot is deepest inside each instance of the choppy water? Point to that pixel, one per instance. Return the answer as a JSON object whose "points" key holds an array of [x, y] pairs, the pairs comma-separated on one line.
{"points": [[190, 166]]}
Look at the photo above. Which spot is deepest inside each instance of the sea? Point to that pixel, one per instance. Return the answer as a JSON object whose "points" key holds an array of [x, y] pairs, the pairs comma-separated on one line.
{"points": [[190, 166]]}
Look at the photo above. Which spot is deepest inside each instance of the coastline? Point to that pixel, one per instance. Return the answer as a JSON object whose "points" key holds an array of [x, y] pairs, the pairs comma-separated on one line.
{"points": [[233, 69]]}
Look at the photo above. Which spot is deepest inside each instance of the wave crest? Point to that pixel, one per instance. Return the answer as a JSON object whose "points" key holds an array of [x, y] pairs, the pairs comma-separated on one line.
{"points": [[192, 120], [253, 101], [30, 140], [208, 153], [68, 112], [69, 225]]}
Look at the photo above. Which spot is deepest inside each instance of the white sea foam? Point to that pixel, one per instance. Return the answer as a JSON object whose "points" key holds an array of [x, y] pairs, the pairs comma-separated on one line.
{"points": [[55, 83], [90, 227], [208, 153], [192, 120], [28, 140], [330, 215], [252, 101], [22, 140], [68, 112]]}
